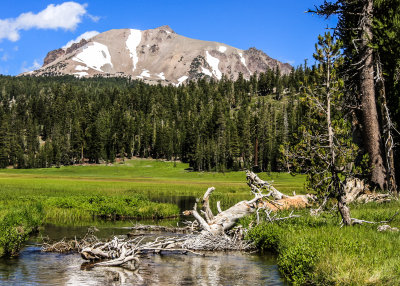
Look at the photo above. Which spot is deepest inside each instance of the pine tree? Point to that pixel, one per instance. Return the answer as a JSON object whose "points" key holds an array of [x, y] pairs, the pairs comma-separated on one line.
{"points": [[325, 150]]}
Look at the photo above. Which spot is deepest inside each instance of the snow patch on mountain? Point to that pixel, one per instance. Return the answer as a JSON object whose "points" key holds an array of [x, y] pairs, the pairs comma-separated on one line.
{"points": [[161, 75], [81, 68], [213, 62], [94, 56], [242, 59], [182, 79], [206, 71], [132, 43], [87, 36], [222, 49], [81, 74], [145, 73]]}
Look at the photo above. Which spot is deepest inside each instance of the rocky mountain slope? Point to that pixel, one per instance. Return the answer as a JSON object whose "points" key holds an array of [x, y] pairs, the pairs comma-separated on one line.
{"points": [[155, 55]]}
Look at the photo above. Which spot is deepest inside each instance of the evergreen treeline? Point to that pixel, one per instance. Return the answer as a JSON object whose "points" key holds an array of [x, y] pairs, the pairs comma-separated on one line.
{"points": [[222, 125]]}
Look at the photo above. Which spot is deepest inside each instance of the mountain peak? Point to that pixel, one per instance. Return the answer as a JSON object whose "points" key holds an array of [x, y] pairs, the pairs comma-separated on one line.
{"points": [[155, 55], [165, 28]]}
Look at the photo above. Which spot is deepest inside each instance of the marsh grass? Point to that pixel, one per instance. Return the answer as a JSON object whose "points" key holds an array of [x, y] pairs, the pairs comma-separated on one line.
{"points": [[122, 190], [315, 250], [16, 224]]}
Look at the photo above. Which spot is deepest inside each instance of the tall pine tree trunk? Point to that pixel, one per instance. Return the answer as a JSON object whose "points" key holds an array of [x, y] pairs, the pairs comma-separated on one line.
{"points": [[372, 135]]}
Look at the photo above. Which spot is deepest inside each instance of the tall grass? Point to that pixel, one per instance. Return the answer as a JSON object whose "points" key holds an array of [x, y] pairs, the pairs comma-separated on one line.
{"points": [[315, 250], [16, 224], [121, 190]]}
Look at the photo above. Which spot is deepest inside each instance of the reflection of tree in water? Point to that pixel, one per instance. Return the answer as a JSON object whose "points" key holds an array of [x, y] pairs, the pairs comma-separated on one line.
{"points": [[231, 268], [213, 269], [122, 276]]}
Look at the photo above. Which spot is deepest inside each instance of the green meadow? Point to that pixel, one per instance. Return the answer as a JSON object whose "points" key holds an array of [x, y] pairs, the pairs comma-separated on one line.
{"points": [[309, 249], [123, 190], [135, 176], [138, 188]]}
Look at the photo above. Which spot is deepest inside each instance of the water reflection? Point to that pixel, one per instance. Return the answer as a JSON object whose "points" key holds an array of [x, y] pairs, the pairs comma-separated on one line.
{"points": [[33, 267], [36, 268]]}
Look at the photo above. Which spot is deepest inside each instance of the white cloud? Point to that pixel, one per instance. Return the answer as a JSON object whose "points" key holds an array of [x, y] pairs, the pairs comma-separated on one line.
{"points": [[86, 36], [93, 18], [35, 65], [65, 16]]}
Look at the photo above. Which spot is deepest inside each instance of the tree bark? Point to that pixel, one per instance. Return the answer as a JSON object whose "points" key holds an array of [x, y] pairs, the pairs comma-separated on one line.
{"points": [[387, 135], [372, 134], [344, 210]]}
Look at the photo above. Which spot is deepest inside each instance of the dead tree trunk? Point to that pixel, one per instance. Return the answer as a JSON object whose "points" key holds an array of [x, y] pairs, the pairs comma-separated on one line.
{"points": [[225, 220], [342, 203]]}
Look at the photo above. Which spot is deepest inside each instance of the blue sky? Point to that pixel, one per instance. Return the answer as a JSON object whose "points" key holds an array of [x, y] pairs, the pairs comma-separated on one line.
{"points": [[30, 29]]}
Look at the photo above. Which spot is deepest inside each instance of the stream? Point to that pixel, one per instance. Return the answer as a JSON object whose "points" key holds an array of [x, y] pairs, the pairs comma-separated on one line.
{"points": [[32, 267]]}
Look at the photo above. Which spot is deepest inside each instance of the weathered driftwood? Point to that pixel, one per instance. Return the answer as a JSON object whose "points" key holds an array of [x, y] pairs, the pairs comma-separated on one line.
{"points": [[222, 222], [385, 227], [127, 252], [217, 232], [139, 230], [361, 221], [74, 245]]}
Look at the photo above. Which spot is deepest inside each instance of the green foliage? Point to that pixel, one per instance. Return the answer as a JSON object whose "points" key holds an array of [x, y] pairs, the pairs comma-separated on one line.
{"points": [[298, 261]]}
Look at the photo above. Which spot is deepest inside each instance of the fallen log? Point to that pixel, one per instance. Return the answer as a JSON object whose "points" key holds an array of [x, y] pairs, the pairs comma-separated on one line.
{"points": [[222, 222]]}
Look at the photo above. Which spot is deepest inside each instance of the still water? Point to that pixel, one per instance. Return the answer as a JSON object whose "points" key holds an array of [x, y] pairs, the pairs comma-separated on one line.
{"points": [[33, 267]]}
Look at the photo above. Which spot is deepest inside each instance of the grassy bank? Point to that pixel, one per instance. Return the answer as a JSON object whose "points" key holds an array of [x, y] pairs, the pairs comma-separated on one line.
{"points": [[122, 190], [16, 224], [315, 250]]}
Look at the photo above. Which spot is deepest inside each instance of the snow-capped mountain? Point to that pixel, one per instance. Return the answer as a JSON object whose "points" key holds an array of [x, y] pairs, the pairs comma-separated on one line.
{"points": [[155, 55]]}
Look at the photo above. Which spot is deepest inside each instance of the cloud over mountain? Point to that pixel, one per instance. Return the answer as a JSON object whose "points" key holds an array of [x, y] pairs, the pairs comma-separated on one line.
{"points": [[65, 16]]}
